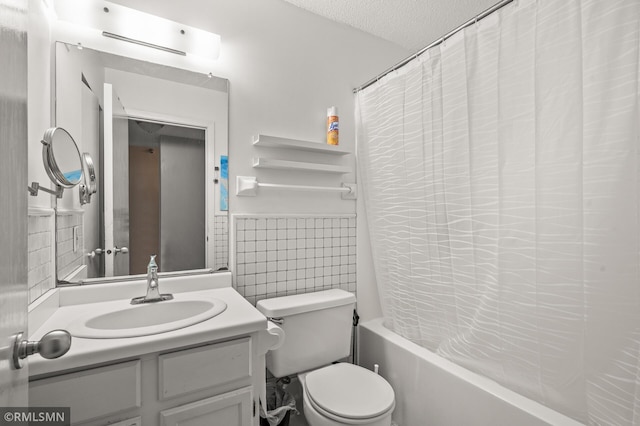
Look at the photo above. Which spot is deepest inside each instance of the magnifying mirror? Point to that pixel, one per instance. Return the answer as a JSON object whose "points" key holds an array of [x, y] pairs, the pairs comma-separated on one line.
{"points": [[89, 186], [61, 159]]}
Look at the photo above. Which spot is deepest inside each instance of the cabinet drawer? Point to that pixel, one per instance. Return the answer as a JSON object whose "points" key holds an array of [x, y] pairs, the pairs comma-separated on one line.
{"points": [[92, 393], [203, 367], [229, 409]]}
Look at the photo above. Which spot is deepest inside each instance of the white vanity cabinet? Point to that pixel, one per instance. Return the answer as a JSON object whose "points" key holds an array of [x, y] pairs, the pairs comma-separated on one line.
{"points": [[211, 384]]}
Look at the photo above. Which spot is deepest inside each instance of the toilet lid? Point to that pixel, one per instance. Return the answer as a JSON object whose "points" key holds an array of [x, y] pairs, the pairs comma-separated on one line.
{"points": [[348, 391]]}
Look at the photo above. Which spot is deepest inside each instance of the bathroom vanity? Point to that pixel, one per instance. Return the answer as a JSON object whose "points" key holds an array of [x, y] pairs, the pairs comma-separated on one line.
{"points": [[208, 373]]}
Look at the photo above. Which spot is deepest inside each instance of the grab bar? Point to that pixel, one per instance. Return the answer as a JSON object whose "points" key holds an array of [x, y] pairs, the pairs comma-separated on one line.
{"points": [[247, 186]]}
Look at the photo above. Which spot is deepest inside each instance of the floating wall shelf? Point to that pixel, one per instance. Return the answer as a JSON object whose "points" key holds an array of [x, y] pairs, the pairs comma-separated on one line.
{"points": [[276, 142], [268, 163]]}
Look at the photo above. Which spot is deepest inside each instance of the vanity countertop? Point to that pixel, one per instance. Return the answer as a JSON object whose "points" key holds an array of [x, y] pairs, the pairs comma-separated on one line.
{"points": [[64, 305]]}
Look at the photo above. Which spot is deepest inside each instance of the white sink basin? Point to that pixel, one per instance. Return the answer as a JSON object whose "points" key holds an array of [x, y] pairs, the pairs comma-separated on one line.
{"points": [[125, 320]]}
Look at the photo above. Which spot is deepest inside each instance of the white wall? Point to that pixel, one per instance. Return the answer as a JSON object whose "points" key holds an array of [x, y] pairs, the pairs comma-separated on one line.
{"points": [[38, 97], [285, 67], [40, 225]]}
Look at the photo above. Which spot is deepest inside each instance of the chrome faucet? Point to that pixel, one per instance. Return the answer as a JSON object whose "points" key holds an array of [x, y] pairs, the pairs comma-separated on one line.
{"points": [[153, 287]]}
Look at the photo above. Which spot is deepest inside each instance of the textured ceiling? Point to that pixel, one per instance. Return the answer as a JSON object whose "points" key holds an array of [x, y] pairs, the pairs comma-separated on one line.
{"points": [[412, 24]]}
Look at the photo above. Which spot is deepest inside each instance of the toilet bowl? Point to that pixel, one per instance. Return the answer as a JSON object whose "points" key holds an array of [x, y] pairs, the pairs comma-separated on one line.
{"points": [[345, 394]]}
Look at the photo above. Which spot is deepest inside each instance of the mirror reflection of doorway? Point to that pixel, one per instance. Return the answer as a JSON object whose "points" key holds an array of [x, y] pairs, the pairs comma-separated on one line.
{"points": [[166, 196]]}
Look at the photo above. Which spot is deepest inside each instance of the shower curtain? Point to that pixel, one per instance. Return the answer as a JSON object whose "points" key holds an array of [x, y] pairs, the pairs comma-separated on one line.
{"points": [[500, 173]]}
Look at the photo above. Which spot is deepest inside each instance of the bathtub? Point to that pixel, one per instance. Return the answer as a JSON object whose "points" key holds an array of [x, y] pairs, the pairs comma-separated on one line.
{"points": [[432, 391]]}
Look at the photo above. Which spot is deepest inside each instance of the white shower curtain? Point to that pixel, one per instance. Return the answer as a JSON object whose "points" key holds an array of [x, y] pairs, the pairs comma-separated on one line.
{"points": [[501, 183]]}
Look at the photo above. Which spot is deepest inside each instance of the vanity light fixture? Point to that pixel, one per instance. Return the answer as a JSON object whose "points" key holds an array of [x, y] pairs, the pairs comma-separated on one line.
{"points": [[114, 21], [143, 43]]}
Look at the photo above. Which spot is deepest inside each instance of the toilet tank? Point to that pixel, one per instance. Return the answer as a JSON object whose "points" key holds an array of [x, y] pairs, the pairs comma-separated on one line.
{"points": [[317, 328]]}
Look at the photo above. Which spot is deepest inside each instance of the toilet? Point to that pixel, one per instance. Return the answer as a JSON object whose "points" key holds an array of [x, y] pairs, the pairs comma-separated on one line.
{"points": [[317, 329]]}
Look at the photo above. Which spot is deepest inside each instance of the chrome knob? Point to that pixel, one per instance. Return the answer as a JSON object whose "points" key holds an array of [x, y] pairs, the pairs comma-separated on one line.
{"points": [[99, 251], [54, 344], [123, 250]]}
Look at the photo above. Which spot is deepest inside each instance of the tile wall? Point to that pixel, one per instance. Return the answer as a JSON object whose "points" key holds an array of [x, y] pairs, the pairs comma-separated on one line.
{"points": [[40, 247], [221, 242], [285, 255], [68, 259]]}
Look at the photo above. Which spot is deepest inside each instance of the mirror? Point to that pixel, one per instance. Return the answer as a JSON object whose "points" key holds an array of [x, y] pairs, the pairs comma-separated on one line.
{"points": [[155, 139], [89, 187], [61, 158]]}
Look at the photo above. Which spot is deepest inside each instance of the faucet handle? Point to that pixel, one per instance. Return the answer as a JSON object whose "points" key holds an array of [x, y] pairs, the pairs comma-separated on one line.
{"points": [[152, 262]]}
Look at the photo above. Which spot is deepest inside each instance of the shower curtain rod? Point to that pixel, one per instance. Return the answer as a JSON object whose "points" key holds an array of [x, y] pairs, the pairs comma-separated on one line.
{"points": [[435, 43]]}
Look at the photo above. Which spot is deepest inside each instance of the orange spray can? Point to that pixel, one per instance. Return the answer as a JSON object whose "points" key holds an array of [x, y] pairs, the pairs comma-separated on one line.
{"points": [[332, 126]]}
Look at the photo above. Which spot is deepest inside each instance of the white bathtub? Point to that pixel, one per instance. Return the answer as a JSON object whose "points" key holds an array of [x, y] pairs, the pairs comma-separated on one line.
{"points": [[432, 391]]}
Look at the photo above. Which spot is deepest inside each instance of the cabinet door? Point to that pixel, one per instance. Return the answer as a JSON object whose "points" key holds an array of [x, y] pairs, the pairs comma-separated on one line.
{"points": [[228, 409]]}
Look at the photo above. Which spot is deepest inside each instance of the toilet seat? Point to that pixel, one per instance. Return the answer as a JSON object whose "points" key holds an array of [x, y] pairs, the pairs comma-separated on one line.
{"points": [[348, 393]]}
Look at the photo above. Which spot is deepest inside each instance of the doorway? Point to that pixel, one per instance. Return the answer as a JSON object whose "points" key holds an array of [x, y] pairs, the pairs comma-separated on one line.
{"points": [[167, 196]]}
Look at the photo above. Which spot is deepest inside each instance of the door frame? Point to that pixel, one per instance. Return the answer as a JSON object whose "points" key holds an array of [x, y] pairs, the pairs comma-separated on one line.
{"points": [[211, 207]]}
